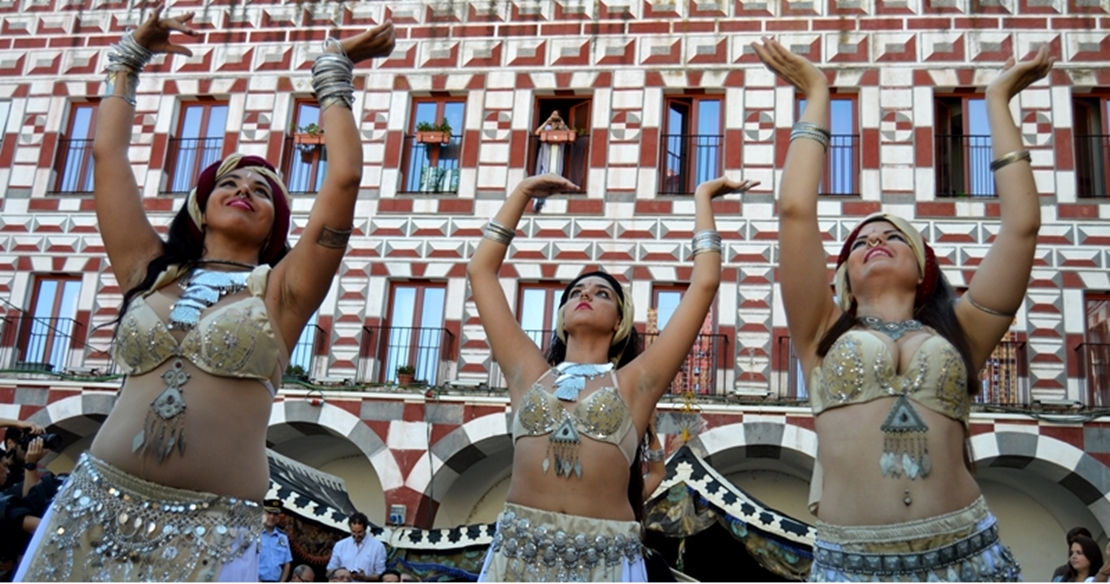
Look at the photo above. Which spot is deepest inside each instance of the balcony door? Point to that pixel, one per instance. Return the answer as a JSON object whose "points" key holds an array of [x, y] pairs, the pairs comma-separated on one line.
{"points": [[46, 333], [415, 334], [691, 145]]}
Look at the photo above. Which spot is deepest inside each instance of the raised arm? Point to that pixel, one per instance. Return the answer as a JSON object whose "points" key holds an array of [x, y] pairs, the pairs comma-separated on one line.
{"points": [[986, 310], [129, 238], [305, 275], [803, 265], [653, 371], [520, 360]]}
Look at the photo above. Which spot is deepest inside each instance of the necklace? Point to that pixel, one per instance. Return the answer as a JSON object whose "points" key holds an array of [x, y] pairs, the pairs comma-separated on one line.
{"points": [[895, 330], [203, 289], [237, 264], [570, 378]]}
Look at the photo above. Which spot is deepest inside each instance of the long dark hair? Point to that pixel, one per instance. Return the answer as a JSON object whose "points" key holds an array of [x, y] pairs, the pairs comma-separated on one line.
{"points": [[178, 248], [938, 312], [1093, 553]]}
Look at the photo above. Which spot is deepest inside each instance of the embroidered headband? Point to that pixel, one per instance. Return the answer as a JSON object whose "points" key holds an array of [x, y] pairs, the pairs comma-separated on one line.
{"points": [[206, 183], [926, 261], [623, 302]]}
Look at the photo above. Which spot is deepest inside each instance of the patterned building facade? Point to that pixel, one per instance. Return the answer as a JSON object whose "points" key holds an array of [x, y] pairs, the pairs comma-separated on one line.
{"points": [[658, 95]]}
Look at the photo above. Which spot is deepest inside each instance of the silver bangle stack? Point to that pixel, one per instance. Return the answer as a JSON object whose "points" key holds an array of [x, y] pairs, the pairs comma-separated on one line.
{"points": [[125, 61], [707, 241], [333, 78], [1008, 159], [813, 132], [497, 232]]}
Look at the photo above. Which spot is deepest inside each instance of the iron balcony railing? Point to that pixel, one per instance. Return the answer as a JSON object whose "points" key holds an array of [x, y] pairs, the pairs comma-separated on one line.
{"points": [[702, 372], [567, 159], [1095, 358], [1004, 377], [75, 166], [842, 168], [431, 167], [188, 157], [429, 351], [1092, 165], [686, 160], [42, 344], [306, 349], [305, 166], [963, 166]]}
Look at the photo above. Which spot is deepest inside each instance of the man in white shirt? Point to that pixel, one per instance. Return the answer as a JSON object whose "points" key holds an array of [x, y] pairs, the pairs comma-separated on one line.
{"points": [[363, 557]]}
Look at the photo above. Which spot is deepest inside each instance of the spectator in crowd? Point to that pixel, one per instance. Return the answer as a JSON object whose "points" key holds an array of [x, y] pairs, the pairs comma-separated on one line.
{"points": [[274, 558], [363, 557], [303, 573], [391, 575], [1084, 560], [1058, 573], [13, 436], [340, 575]]}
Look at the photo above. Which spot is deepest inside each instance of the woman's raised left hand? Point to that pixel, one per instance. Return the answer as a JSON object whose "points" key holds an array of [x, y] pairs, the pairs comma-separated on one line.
{"points": [[376, 42], [1016, 76], [154, 33], [722, 186]]}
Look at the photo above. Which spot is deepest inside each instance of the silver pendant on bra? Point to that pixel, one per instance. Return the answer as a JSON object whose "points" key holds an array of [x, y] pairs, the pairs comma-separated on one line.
{"points": [[203, 289], [570, 378]]}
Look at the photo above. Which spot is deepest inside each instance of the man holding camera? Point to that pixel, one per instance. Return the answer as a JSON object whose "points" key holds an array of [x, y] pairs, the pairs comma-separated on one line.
{"points": [[363, 556]]}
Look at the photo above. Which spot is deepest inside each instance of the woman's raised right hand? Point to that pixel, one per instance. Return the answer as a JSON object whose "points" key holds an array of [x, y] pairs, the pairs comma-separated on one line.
{"points": [[154, 33], [795, 69], [545, 185]]}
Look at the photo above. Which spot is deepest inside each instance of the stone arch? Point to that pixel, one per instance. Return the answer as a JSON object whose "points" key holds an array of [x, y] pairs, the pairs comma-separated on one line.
{"points": [[475, 457], [76, 419]]}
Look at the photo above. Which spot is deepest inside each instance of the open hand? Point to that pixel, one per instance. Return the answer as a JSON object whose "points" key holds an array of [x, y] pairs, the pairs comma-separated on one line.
{"points": [[545, 185], [1017, 76], [154, 33], [722, 186], [376, 42], [35, 451], [795, 69]]}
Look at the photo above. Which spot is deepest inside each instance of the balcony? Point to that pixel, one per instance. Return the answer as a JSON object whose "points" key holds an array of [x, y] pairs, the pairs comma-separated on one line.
{"points": [[567, 159], [430, 351], [963, 166], [75, 166], [1092, 163], [702, 372], [431, 167], [306, 164], [41, 344], [1095, 360], [791, 382], [686, 160], [304, 352], [842, 169], [189, 156]]}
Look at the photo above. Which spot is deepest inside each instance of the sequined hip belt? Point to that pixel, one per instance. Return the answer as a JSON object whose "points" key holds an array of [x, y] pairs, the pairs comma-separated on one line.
{"points": [[532, 545], [958, 546], [108, 525]]}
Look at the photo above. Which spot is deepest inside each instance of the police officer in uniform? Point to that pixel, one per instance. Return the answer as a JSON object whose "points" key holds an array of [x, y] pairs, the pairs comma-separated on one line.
{"points": [[274, 558]]}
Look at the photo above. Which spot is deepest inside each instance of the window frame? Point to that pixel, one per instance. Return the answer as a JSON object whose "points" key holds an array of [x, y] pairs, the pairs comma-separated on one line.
{"points": [[300, 145], [434, 152], [691, 164], [29, 320], [173, 152], [65, 149], [837, 146]]}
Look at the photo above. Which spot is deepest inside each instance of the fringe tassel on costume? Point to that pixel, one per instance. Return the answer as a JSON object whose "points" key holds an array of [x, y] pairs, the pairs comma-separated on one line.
{"points": [[905, 449]]}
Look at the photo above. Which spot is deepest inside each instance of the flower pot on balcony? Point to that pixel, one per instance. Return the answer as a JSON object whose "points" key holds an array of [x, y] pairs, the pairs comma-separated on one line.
{"points": [[317, 138], [404, 378], [433, 137], [558, 136]]}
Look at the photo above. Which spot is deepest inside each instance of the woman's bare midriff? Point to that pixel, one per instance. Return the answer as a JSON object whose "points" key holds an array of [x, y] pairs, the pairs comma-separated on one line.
{"points": [[601, 493], [856, 492], [225, 434]]}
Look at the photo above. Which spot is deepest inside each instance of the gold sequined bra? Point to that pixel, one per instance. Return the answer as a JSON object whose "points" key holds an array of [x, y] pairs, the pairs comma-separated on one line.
{"points": [[859, 368], [232, 339], [602, 415]]}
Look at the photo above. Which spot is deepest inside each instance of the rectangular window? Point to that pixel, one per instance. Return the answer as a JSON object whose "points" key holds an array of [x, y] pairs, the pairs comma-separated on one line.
{"points": [[433, 146], [963, 148], [702, 369], [415, 336], [304, 352], [560, 141], [1095, 351], [199, 143], [75, 164], [1091, 116], [690, 150], [842, 167], [537, 310], [307, 160], [46, 331]]}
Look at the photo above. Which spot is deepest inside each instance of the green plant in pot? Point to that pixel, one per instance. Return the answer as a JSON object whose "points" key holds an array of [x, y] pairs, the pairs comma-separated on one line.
{"points": [[405, 374]]}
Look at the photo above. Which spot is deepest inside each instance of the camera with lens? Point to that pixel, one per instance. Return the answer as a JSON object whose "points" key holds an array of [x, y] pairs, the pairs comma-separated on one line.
{"points": [[50, 441]]}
